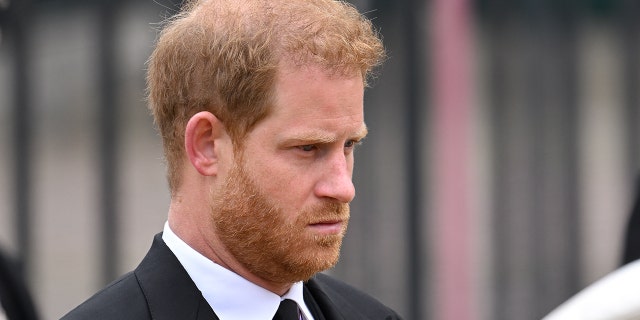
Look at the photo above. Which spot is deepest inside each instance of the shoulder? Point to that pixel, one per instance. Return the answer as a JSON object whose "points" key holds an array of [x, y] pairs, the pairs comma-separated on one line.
{"points": [[351, 300], [612, 297], [122, 299]]}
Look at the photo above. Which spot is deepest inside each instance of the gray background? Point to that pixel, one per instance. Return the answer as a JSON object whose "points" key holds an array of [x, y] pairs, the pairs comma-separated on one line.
{"points": [[553, 153]]}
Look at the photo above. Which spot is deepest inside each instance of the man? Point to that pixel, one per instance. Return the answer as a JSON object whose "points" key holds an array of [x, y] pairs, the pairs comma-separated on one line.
{"points": [[260, 105]]}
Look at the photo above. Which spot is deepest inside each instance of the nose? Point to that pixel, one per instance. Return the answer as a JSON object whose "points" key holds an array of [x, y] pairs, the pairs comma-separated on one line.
{"points": [[336, 180]]}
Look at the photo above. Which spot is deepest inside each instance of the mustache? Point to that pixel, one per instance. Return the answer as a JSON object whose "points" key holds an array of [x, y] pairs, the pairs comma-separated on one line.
{"points": [[328, 211]]}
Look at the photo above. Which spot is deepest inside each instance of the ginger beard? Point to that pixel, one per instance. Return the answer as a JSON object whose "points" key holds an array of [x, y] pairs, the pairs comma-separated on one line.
{"points": [[264, 239]]}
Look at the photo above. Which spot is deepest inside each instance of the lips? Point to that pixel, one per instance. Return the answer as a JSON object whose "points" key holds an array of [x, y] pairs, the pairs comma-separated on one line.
{"points": [[327, 226], [327, 219]]}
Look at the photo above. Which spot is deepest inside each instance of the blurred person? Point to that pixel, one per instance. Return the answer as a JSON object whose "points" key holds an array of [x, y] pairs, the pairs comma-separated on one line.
{"points": [[15, 300], [260, 106], [615, 296], [632, 238]]}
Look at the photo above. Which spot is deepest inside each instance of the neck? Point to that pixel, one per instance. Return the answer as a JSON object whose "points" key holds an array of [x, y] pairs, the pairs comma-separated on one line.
{"points": [[188, 226]]}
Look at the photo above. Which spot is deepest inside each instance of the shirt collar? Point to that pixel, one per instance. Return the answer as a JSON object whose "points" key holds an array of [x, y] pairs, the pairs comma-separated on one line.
{"points": [[230, 295]]}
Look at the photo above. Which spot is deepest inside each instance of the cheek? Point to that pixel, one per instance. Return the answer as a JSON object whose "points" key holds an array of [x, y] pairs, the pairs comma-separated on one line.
{"points": [[275, 182], [285, 186]]}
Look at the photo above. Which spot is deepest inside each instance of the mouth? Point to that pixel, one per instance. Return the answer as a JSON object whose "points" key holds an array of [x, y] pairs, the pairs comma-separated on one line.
{"points": [[327, 227]]}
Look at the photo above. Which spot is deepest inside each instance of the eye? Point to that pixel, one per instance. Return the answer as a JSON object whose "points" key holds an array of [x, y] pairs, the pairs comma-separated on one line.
{"points": [[350, 144], [307, 147]]}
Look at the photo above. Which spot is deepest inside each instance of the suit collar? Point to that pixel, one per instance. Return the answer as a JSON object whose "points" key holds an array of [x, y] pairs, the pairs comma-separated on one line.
{"points": [[170, 292], [321, 306]]}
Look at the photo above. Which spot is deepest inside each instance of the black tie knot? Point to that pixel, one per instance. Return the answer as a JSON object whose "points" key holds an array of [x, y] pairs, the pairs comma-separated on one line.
{"points": [[288, 310]]}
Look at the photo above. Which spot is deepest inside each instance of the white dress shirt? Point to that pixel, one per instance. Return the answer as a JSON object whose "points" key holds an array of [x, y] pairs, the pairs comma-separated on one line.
{"points": [[231, 296]]}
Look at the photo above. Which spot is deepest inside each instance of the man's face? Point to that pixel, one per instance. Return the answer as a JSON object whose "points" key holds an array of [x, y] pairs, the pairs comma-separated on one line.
{"points": [[284, 206]]}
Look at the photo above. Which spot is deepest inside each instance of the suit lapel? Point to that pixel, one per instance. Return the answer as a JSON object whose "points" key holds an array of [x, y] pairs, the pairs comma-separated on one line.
{"points": [[316, 298], [311, 303], [170, 292]]}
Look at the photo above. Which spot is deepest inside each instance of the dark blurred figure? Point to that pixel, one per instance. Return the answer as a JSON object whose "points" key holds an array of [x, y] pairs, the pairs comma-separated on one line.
{"points": [[15, 300], [632, 241]]}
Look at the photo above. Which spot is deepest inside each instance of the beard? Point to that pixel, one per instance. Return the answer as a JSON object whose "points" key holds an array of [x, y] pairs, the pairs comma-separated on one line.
{"points": [[270, 243]]}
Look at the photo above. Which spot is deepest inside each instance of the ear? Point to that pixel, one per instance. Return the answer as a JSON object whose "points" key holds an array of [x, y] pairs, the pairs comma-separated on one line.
{"points": [[202, 139]]}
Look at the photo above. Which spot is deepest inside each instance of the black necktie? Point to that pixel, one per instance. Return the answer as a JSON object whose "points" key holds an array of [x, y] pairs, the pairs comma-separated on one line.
{"points": [[288, 310]]}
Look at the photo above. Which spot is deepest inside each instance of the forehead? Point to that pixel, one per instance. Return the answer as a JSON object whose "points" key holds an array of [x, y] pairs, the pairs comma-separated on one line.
{"points": [[298, 88], [307, 97]]}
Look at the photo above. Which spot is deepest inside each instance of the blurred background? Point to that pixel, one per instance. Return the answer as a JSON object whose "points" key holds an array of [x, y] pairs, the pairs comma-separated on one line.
{"points": [[496, 181]]}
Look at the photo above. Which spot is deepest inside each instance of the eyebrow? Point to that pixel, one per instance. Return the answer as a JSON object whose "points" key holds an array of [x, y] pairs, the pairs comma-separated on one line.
{"points": [[362, 132], [323, 137]]}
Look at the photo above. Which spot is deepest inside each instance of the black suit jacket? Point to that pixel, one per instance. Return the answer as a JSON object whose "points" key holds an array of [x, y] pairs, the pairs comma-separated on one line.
{"points": [[160, 289]]}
